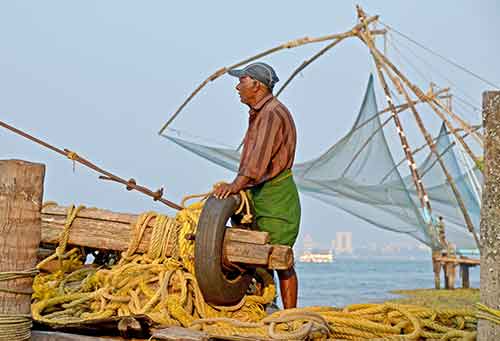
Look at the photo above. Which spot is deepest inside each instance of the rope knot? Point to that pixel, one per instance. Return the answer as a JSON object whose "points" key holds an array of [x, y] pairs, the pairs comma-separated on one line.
{"points": [[158, 194], [131, 184], [72, 155]]}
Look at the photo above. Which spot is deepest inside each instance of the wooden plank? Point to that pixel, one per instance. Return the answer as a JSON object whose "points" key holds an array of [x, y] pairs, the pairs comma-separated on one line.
{"points": [[238, 252], [94, 233], [281, 257], [93, 213], [247, 236], [469, 261], [103, 229]]}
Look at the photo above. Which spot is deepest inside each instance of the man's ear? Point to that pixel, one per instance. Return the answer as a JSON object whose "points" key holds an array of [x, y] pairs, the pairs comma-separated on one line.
{"points": [[255, 85]]}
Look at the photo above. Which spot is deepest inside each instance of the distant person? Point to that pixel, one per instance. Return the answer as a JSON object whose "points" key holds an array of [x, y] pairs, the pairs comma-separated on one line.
{"points": [[442, 234], [265, 166]]}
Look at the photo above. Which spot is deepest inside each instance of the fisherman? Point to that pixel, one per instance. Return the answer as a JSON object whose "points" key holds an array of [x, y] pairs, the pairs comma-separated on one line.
{"points": [[442, 234], [265, 166]]}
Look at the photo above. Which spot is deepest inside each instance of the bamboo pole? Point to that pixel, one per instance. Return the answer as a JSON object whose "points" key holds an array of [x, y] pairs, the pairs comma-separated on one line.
{"points": [[476, 135], [376, 53], [130, 184], [308, 62], [421, 95], [399, 109], [288, 45], [424, 146], [427, 137], [422, 195]]}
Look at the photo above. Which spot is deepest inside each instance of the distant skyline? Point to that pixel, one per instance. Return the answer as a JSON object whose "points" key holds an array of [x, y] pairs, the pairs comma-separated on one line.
{"points": [[100, 78]]}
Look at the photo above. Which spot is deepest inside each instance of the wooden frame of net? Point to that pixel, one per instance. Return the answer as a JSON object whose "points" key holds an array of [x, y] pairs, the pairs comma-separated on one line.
{"points": [[390, 77]]}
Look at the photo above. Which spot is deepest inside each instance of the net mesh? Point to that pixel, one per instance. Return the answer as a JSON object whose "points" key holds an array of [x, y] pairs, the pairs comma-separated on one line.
{"points": [[359, 175]]}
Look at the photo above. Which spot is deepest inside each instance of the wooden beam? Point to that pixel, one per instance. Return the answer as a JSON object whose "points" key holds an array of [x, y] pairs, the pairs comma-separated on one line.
{"points": [[108, 230], [247, 236], [468, 261]]}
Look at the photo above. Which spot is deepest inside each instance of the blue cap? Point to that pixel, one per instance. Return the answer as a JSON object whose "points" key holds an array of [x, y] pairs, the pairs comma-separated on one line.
{"points": [[262, 72]]}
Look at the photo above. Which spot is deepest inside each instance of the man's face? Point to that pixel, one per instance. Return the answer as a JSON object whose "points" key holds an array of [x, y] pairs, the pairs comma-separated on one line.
{"points": [[247, 89]]}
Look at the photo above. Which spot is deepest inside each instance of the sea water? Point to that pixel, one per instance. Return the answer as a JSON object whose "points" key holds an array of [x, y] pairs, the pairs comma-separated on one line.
{"points": [[347, 281]]}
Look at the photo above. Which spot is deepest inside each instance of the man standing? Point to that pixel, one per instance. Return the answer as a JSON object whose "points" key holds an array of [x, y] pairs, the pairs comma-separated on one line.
{"points": [[265, 166]]}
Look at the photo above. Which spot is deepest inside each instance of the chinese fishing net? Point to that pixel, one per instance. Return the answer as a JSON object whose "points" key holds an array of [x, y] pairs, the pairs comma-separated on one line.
{"points": [[359, 175]]}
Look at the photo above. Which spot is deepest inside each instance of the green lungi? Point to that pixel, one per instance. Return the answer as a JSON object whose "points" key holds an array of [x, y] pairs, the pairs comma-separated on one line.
{"points": [[276, 208]]}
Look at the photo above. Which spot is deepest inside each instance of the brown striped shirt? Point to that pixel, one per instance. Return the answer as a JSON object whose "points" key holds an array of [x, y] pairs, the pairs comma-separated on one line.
{"points": [[270, 140]]}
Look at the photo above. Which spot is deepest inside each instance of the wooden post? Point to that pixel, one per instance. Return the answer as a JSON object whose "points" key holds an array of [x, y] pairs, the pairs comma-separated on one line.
{"points": [[451, 272], [21, 191], [464, 271], [490, 215], [436, 266]]}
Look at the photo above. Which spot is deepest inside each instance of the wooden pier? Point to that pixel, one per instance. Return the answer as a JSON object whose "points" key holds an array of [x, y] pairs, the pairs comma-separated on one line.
{"points": [[449, 266]]}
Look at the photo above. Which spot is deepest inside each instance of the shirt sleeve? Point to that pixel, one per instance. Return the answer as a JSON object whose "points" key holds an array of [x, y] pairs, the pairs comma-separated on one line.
{"points": [[258, 147]]}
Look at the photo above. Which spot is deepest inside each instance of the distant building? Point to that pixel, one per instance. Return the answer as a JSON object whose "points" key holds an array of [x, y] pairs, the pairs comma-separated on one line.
{"points": [[343, 243]]}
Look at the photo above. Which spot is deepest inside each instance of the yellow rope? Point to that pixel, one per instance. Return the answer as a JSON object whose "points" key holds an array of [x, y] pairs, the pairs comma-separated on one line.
{"points": [[487, 313], [164, 287], [15, 327]]}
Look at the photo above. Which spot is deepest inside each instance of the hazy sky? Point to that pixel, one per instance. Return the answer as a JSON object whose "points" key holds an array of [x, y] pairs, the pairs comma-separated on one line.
{"points": [[101, 77]]}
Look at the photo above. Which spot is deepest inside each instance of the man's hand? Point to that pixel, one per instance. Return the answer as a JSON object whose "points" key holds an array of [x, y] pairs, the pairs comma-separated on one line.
{"points": [[223, 190]]}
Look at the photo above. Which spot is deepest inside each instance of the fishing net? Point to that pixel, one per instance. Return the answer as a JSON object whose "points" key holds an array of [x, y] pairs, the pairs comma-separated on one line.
{"points": [[360, 175]]}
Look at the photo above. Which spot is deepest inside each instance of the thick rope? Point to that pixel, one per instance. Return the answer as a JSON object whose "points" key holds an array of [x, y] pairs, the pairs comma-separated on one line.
{"points": [[487, 313], [164, 288], [15, 327]]}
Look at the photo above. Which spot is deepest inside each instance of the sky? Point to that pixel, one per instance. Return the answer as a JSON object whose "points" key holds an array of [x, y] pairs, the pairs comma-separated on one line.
{"points": [[101, 78]]}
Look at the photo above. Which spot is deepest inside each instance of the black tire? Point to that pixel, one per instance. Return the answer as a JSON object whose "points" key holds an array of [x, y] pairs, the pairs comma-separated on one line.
{"points": [[217, 287]]}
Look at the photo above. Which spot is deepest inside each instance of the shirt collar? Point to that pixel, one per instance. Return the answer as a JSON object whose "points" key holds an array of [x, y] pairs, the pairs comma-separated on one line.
{"points": [[261, 103]]}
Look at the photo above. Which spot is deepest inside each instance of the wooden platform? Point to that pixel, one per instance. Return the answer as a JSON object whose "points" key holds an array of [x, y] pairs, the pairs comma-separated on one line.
{"points": [[448, 264]]}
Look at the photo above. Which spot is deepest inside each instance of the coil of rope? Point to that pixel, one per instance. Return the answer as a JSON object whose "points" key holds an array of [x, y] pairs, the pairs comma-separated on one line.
{"points": [[164, 288], [15, 327], [156, 284]]}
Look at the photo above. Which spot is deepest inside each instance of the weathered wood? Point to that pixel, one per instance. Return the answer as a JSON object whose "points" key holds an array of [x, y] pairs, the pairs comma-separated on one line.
{"points": [[94, 233], [21, 192], [490, 215], [281, 257], [454, 260], [103, 229], [464, 272], [247, 236], [238, 252], [450, 275], [436, 267]]}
